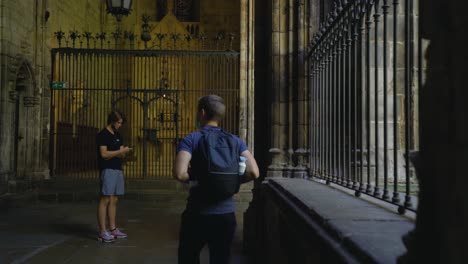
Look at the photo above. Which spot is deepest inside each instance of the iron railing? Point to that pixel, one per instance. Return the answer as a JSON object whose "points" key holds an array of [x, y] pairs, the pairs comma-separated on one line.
{"points": [[366, 71], [157, 90], [118, 39]]}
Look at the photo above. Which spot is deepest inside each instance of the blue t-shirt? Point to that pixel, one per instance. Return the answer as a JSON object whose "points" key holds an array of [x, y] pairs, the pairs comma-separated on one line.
{"points": [[190, 144]]}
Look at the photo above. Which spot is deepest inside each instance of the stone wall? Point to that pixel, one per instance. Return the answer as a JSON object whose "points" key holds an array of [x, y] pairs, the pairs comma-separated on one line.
{"points": [[26, 37], [214, 16], [301, 221]]}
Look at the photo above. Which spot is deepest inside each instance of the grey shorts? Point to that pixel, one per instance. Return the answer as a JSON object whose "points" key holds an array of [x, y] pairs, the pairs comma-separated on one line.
{"points": [[112, 182]]}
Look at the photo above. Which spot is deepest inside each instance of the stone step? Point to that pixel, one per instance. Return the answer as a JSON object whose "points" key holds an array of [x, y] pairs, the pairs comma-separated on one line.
{"points": [[129, 184], [155, 195], [8, 201]]}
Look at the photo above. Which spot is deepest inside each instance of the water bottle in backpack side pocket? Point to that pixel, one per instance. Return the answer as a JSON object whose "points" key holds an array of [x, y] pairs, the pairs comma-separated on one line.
{"points": [[242, 165]]}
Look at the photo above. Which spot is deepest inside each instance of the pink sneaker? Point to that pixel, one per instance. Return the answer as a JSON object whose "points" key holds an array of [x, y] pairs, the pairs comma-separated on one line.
{"points": [[106, 237], [116, 233]]}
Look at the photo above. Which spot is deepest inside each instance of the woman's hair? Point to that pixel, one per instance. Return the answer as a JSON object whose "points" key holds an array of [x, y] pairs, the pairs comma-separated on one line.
{"points": [[115, 116], [213, 105]]}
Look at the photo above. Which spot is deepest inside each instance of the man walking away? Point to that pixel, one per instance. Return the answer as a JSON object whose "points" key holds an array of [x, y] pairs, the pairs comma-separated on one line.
{"points": [[216, 172]]}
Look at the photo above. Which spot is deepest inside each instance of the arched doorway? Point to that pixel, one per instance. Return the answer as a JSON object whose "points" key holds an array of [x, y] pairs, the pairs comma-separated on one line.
{"points": [[24, 123]]}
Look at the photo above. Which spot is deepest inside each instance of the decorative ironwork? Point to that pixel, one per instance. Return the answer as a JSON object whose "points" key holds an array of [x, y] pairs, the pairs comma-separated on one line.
{"points": [[156, 89], [59, 35], [117, 34], [362, 134], [175, 37], [219, 42], [145, 33], [73, 36]]}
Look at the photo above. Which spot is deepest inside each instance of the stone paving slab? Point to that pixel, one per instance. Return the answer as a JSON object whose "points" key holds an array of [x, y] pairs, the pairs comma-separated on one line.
{"points": [[66, 233]]}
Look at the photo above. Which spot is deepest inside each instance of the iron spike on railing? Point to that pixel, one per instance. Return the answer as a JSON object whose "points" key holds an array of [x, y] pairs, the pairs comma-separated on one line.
{"points": [[175, 37], [74, 34], [59, 35], [160, 37], [87, 35], [131, 37], [188, 38], [231, 40], [116, 35], [338, 7], [218, 37], [322, 28], [101, 36], [203, 39]]}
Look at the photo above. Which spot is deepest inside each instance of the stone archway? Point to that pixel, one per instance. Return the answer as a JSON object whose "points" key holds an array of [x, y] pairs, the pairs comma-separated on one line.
{"points": [[25, 116]]}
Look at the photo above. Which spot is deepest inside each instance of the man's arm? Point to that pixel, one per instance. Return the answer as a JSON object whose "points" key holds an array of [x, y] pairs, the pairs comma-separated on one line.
{"points": [[107, 154], [251, 171], [180, 167]]}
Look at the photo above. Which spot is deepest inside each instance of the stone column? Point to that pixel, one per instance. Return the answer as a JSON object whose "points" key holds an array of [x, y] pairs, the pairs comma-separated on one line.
{"points": [[442, 222], [279, 104], [300, 171], [290, 74], [247, 64]]}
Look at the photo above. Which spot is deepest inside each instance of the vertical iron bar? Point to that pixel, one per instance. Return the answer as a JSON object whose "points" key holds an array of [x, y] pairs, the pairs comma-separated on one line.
{"points": [[355, 94], [70, 97], [52, 151], [314, 119], [396, 196], [318, 136], [80, 124], [329, 102], [142, 87], [323, 85], [368, 87], [342, 98], [326, 112], [336, 103], [333, 107], [311, 88], [361, 99], [339, 105], [320, 83], [408, 78], [385, 8], [376, 95], [349, 89]]}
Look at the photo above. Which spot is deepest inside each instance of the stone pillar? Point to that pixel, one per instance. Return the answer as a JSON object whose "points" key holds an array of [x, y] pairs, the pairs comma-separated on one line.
{"points": [[442, 222], [302, 126], [247, 64], [290, 74], [279, 104]]}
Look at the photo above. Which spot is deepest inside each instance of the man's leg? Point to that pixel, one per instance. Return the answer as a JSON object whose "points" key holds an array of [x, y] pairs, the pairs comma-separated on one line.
{"points": [[112, 211], [191, 238], [220, 237], [102, 212]]}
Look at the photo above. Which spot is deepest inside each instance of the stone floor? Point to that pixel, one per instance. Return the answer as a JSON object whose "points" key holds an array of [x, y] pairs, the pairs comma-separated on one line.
{"points": [[66, 233]]}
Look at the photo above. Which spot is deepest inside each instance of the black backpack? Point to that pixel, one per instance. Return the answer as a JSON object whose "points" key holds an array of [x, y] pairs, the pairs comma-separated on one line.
{"points": [[216, 165]]}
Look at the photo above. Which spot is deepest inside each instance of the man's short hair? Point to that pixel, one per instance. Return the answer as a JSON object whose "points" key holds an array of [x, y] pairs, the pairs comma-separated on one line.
{"points": [[115, 116], [213, 105]]}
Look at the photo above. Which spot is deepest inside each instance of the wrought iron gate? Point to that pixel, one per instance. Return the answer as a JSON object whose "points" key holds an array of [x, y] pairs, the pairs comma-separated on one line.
{"points": [[157, 90]]}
